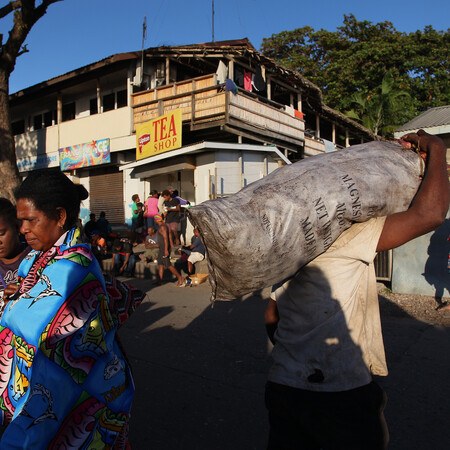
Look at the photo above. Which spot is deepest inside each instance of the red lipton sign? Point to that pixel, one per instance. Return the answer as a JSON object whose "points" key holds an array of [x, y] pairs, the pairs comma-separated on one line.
{"points": [[144, 139]]}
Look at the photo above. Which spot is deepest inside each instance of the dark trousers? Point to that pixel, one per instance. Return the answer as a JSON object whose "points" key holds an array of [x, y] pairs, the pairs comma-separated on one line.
{"points": [[307, 420], [133, 224], [120, 259]]}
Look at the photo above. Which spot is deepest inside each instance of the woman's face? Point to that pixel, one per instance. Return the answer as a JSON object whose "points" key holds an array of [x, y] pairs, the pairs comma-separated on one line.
{"points": [[9, 239], [40, 231]]}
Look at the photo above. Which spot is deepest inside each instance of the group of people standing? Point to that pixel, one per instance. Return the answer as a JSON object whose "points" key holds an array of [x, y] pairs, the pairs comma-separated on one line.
{"points": [[165, 223], [168, 204]]}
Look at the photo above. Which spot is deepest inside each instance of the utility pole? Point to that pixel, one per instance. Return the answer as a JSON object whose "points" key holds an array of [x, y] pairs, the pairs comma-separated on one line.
{"points": [[144, 35], [213, 20]]}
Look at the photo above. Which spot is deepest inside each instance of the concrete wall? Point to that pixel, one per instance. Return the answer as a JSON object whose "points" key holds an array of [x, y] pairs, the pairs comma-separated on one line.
{"points": [[253, 167], [115, 125], [227, 167], [228, 172], [205, 169], [420, 266]]}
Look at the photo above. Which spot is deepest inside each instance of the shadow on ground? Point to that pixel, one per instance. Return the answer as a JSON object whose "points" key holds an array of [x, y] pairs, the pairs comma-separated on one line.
{"points": [[200, 374], [418, 391]]}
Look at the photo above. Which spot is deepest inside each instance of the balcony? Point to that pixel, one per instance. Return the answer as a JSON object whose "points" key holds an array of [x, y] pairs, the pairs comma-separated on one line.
{"points": [[205, 104]]}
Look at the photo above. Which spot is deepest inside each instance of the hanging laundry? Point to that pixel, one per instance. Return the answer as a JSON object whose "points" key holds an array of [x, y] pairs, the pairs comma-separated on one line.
{"points": [[221, 72], [248, 81], [258, 81], [230, 85], [289, 110], [239, 76]]}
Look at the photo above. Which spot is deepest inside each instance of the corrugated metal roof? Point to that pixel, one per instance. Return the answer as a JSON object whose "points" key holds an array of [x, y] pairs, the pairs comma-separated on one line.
{"points": [[434, 117]]}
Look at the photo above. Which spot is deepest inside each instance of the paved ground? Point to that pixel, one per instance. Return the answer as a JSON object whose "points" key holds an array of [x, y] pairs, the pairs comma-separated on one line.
{"points": [[200, 372]]}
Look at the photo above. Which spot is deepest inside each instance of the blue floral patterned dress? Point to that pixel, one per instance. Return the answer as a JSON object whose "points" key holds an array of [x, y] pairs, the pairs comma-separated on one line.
{"points": [[64, 380]]}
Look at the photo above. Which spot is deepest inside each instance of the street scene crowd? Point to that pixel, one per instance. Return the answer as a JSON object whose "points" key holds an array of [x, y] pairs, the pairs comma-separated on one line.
{"points": [[62, 363], [160, 226]]}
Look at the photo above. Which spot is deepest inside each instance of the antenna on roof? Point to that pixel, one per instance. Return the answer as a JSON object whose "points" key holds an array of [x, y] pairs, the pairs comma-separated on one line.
{"points": [[144, 32], [212, 20], [140, 70]]}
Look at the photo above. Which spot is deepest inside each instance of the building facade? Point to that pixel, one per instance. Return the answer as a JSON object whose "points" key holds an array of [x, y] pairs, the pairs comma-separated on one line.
{"points": [[242, 116]]}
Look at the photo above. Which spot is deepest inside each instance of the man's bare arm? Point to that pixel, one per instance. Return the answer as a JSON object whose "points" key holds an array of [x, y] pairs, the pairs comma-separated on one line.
{"points": [[430, 204]]}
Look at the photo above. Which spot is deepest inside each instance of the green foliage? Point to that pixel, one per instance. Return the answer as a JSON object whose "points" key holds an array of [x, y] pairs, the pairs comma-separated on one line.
{"points": [[353, 65], [382, 108]]}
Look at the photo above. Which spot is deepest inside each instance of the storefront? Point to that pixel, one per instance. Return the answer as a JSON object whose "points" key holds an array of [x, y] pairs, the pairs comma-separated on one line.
{"points": [[207, 170]]}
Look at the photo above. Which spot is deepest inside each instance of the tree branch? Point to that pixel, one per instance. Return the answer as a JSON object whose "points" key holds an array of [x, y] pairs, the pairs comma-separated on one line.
{"points": [[25, 16], [11, 6], [23, 50], [42, 8]]}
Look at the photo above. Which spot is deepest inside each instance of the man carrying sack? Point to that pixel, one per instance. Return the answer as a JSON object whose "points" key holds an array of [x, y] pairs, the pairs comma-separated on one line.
{"points": [[325, 325]]}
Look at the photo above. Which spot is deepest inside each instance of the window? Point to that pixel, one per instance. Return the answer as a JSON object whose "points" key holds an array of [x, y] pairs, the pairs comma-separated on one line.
{"points": [[48, 119], [18, 127], [108, 102], [93, 106], [37, 122], [122, 98], [68, 111]]}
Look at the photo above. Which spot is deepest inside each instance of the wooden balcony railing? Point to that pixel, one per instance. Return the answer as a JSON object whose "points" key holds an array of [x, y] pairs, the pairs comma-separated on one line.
{"points": [[205, 104]]}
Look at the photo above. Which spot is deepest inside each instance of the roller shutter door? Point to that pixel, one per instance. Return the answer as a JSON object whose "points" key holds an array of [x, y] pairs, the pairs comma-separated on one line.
{"points": [[106, 194]]}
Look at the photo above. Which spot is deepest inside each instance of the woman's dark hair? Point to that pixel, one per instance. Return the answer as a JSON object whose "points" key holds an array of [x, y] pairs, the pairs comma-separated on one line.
{"points": [[8, 211], [49, 190]]}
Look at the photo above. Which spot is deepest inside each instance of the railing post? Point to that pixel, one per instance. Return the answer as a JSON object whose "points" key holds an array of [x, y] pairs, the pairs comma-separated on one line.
{"points": [[193, 104]]}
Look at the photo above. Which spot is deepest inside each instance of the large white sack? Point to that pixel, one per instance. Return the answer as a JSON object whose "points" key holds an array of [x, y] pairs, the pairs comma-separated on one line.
{"points": [[264, 233]]}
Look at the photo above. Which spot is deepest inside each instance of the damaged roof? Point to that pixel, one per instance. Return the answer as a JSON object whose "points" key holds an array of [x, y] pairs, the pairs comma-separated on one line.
{"points": [[242, 49]]}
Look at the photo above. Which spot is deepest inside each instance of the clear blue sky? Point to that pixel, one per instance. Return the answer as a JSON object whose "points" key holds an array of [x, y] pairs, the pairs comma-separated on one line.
{"points": [[74, 33]]}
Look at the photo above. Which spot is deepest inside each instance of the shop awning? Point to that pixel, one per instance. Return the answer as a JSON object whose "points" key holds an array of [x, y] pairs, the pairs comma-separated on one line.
{"points": [[176, 160]]}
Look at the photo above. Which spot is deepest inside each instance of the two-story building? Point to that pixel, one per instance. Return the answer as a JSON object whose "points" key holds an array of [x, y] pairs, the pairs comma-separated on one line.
{"points": [[242, 115]]}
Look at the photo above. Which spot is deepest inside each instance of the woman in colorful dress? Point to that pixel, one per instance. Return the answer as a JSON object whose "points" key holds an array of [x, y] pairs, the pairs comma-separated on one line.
{"points": [[64, 380]]}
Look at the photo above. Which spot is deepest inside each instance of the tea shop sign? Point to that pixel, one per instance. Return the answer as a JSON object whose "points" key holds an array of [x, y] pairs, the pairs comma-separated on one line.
{"points": [[159, 135]]}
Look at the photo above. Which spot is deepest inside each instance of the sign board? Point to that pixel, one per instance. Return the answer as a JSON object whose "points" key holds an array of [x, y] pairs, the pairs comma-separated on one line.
{"points": [[159, 135], [88, 154], [38, 162]]}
